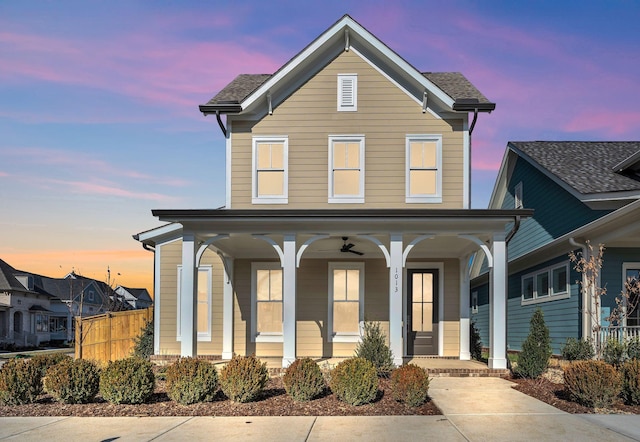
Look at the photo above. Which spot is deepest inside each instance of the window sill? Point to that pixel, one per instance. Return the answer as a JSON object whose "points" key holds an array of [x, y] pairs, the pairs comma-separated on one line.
{"points": [[545, 299], [345, 338], [350, 200], [269, 200], [263, 337], [201, 338], [423, 199]]}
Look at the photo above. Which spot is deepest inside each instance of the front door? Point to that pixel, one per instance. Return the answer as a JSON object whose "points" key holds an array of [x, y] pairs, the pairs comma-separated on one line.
{"points": [[422, 312]]}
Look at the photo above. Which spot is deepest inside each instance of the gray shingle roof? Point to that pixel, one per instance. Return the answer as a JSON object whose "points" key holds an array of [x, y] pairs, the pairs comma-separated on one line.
{"points": [[239, 88], [8, 281], [586, 166], [456, 85]]}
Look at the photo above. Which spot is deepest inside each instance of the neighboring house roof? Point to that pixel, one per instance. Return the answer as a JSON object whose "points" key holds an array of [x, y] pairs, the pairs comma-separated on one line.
{"points": [[586, 166], [8, 281]]}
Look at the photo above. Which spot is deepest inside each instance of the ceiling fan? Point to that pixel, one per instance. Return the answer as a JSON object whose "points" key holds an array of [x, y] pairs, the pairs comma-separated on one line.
{"points": [[347, 248]]}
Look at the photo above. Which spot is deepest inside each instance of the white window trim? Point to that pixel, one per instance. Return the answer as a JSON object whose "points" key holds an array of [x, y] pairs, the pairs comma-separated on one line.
{"points": [[517, 196], [201, 336], [345, 337], [344, 107], [346, 199], [271, 199], [625, 267], [551, 296], [255, 336], [436, 197]]}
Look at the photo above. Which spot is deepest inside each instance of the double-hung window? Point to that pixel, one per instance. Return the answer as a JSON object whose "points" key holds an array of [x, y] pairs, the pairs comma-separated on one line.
{"points": [[546, 285], [266, 294], [346, 169], [424, 169], [346, 301], [204, 282], [270, 174], [631, 277]]}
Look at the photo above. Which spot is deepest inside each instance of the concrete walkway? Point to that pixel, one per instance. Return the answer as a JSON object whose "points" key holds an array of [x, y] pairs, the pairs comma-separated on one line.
{"points": [[475, 409]]}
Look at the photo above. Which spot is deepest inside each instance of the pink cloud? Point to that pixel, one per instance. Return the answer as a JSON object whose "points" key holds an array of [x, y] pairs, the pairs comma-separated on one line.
{"points": [[92, 188], [610, 123], [4, 174]]}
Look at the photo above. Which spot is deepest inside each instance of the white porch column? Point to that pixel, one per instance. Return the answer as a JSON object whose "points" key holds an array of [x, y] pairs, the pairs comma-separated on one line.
{"points": [[188, 298], [227, 310], [498, 304], [289, 301], [465, 355], [396, 342]]}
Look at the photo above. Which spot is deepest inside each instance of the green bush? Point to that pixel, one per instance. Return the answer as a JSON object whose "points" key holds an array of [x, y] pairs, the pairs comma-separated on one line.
{"points": [[303, 380], [73, 381], [374, 349], [614, 352], [577, 350], [410, 385], [630, 372], [475, 343], [143, 344], [127, 381], [355, 381], [243, 378], [633, 348], [20, 382], [191, 380], [592, 383], [533, 360], [45, 361]]}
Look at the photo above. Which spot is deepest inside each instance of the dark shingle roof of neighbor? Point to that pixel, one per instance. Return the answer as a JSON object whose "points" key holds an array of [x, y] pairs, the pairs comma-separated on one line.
{"points": [[586, 166], [8, 281], [454, 84]]}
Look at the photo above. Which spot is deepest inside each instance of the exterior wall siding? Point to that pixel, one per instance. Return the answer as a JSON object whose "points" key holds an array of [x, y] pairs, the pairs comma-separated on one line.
{"points": [[611, 275], [385, 116]]}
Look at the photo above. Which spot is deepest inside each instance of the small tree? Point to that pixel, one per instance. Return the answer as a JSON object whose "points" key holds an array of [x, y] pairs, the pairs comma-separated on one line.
{"points": [[536, 349], [374, 348], [475, 343], [143, 347]]}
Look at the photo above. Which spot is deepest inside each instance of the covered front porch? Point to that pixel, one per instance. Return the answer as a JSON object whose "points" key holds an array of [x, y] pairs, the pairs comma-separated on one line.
{"points": [[390, 246]]}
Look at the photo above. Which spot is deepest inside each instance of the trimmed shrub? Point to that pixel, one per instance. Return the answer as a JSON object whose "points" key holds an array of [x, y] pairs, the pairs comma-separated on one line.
{"points": [[303, 380], [127, 381], [630, 372], [475, 343], [533, 360], [355, 381], [410, 385], [614, 352], [44, 362], [191, 380], [20, 382], [143, 344], [592, 383], [577, 350], [374, 349], [73, 381], [243, 378], [633, 348]]}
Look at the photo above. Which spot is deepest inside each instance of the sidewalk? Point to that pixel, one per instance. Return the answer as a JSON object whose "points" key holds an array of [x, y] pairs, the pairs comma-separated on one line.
{"points": [[475, 409]]}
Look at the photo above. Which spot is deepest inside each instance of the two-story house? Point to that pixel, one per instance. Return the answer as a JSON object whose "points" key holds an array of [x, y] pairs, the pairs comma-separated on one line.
{"points": [[347, 200]]}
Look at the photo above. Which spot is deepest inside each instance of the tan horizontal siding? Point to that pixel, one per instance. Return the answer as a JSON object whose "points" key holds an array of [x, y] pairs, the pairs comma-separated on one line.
{"points": [[385, 116]]}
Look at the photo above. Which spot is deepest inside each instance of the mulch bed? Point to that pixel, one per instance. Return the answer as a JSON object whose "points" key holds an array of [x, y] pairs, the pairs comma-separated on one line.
{"points": [[273, 402], [556, 395]]}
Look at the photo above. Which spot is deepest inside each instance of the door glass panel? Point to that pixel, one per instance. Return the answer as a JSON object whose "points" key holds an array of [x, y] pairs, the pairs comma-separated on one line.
{"points": [[427, 284], [417, 287], [416, 317], [422, 302]]}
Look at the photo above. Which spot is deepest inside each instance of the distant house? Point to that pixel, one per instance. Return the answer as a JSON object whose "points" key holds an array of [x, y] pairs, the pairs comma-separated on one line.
{"points": [[580, 191], [24, 309], [347, 200], [136, 298]]}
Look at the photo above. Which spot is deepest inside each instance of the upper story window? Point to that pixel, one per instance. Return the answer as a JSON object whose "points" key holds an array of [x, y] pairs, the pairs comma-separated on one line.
{"points": [[346, 169], [204, 283], [270, 171], [518, 196], [346, 301], [546, 285], [424, 169], [266, 294], [347, 92]]}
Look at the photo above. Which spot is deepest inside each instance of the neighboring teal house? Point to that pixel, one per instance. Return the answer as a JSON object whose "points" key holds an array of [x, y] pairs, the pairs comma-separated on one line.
{"points": [[580, 191]]}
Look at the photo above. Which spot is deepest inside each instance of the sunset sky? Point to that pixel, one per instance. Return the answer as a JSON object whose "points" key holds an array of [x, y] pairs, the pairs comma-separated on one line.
{"points": [[98, 101]]}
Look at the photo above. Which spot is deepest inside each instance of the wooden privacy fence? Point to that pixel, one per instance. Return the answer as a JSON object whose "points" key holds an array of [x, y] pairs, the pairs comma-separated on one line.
{"points": [[111, 336]]}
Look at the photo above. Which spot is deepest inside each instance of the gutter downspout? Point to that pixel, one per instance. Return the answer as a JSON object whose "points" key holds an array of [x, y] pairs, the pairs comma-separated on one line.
{"points": [[473, 124], [224, 129], [587, 306], [510, 235]]}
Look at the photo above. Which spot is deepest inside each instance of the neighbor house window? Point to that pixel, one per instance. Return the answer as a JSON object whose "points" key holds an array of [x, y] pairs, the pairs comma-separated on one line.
{"points": [[346, 301], [270, 175], [346, 169], [266, 295], [204, 282], [631, 276], [517, 197], [424, 169], [347, 92], [91, 296], [546, 284], [41, 323]]}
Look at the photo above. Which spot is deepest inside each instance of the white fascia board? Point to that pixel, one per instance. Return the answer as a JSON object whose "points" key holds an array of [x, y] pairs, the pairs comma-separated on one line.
{"points": [[500, 186], [346, 22], [158, 232]]}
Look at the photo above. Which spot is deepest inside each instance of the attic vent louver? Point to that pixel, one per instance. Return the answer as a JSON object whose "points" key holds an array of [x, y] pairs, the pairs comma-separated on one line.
{"points": [[347, 92]]}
